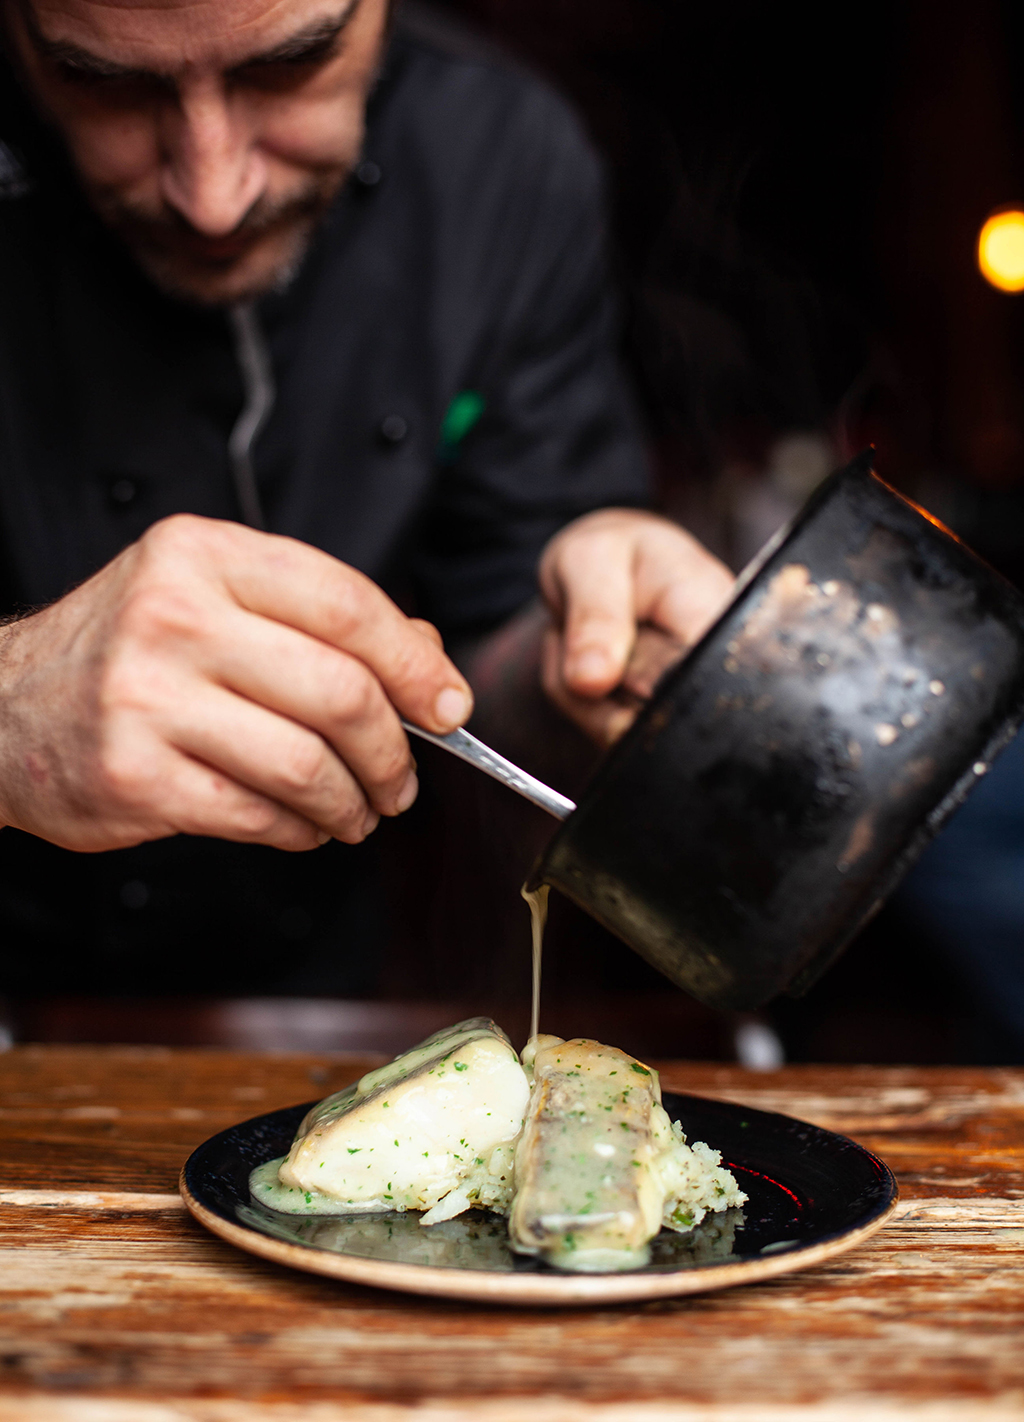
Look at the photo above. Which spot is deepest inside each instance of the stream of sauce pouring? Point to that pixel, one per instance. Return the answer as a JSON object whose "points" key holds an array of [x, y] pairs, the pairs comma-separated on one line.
{"points": [[538, 901]]}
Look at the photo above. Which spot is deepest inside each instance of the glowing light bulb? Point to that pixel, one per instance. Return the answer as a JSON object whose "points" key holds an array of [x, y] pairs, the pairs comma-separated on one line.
{"points": [[1001, 250]]}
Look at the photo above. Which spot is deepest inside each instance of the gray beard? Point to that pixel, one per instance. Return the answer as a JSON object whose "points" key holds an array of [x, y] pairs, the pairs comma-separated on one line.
{"points": [[168, 271], [160, 274]]}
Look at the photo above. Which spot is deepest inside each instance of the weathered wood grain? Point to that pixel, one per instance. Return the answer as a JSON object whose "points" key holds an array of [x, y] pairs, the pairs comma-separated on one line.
{"points": [[115, 1304], [127, 1117], [482, 1409], [120, 1299]]}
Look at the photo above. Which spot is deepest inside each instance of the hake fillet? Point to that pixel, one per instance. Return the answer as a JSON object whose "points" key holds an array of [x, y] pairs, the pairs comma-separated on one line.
{"points": [[599, 1167], [433, 1131]]}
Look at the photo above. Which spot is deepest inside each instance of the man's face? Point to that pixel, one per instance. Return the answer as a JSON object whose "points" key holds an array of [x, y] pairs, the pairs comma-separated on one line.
{"points": [[210, 134]]}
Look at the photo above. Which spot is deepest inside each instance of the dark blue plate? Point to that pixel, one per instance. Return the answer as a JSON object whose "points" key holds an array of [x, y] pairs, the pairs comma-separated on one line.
{"points": [[812, 1194]]}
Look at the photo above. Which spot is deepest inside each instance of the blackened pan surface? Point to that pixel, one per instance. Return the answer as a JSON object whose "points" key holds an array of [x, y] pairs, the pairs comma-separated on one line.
{"points": [[791, 768]]}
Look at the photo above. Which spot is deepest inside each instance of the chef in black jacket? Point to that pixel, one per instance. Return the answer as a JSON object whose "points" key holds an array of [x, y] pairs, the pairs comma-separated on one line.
{"points": [[305, 338]]}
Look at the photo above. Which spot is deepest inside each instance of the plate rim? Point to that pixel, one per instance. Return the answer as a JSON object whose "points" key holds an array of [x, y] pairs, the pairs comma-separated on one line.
{"points": [[539, 1289]]}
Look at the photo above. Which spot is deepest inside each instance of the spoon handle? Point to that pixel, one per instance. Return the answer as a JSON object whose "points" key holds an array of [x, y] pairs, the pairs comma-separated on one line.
{"points": [[467, 747]]}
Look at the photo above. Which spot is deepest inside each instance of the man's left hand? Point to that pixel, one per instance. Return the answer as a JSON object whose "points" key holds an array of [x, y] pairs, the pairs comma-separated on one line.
{"points": [[630, 593]]}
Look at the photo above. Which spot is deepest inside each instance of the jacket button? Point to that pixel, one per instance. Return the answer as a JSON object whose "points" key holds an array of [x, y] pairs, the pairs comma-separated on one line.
{"points": [[134, 894], [122, 491], [393, 429], [368, 174]]}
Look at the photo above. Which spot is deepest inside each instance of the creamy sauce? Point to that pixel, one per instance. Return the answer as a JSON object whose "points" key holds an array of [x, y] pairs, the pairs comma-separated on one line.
{"points": [[587, 1197], [267, 1188], [600, 1167], [538, 901]]}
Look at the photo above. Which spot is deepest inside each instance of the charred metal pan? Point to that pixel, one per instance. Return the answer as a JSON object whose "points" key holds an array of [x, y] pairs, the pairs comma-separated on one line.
{"points": [[789, 770]]}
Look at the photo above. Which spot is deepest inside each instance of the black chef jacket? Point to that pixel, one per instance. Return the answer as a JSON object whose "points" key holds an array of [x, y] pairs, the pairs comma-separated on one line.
{"points": [[447, 396]]}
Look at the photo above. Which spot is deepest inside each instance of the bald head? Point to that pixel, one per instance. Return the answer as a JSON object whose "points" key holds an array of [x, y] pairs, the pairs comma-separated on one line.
{"points": [[210, 134]]}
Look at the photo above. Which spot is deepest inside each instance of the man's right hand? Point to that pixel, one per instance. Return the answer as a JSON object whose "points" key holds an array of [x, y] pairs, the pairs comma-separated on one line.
{"points": [[213, 680]]}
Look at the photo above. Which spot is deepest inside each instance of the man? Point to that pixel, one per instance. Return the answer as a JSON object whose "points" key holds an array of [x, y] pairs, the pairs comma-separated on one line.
{"points": [[266, 263]]}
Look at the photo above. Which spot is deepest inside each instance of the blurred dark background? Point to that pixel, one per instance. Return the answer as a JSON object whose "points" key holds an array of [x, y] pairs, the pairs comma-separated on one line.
{"points": [[796, 195]]}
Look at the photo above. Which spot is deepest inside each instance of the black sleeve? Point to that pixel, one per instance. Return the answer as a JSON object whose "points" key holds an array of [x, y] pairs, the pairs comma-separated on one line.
{"points": [[558, 435]]}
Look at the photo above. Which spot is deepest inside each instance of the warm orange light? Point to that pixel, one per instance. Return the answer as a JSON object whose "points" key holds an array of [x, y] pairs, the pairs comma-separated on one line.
{"points": [[1001, 250]]}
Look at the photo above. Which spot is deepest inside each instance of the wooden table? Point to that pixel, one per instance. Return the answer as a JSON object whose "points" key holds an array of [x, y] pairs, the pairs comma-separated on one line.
{"points": [[116, 1307]]}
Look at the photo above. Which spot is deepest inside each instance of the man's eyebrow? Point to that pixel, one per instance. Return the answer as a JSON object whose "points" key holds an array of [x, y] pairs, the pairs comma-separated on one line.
{"points": [[312, 39], [72, 56]]}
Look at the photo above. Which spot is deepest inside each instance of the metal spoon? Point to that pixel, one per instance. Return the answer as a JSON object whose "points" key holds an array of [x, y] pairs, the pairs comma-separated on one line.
{"points": [[467, 747]]}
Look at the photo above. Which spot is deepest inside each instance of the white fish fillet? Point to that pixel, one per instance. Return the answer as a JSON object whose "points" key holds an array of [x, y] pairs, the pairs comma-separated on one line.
{"points": [[599, 1167], [433, 1131]]}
